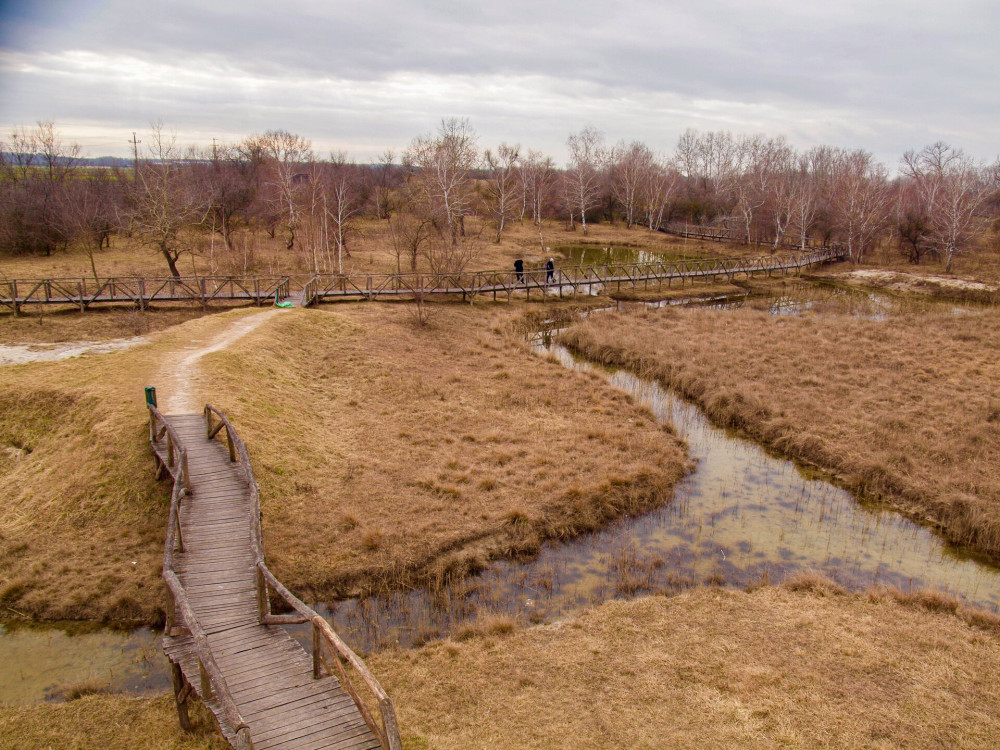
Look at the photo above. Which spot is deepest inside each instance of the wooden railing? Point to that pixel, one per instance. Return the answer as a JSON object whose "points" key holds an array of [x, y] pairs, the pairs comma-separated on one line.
{"points": [[566, 279], [388, 732], [181, 619], [141, 292]]}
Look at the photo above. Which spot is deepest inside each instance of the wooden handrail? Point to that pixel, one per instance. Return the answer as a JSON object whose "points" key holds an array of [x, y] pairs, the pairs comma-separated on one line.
{"points": [[388, 733], [214, 682]]}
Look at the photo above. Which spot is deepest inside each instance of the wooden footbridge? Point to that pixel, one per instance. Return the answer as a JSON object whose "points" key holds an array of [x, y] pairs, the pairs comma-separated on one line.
{"points": [[223, 642], [564, 281]]}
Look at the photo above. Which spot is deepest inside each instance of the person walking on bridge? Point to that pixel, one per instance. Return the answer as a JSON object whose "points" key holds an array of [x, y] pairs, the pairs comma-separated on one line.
{"points": [[550, 271], [519, 270]]}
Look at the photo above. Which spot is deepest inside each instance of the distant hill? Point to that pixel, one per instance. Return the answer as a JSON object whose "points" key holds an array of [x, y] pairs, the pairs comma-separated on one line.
{"points": [[97, 161]]}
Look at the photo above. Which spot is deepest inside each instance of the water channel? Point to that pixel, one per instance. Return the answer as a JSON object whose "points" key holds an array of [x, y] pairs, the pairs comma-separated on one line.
{"points": [[741, 518]]}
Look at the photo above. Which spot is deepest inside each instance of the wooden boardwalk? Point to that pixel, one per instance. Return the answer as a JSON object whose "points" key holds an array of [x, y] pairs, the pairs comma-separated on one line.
{"points": [[565, 281], [222, 640]]}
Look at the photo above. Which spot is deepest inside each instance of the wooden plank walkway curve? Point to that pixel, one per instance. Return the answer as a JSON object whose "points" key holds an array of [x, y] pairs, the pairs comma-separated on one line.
{"points": [[222, 640]]}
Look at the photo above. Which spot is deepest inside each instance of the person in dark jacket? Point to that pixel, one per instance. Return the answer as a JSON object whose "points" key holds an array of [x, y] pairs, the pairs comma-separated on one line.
{"points": [[550, 271], [519, 270]]}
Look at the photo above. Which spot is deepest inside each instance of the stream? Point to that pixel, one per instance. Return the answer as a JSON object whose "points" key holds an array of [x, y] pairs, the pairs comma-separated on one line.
{"points": [[742, 518]]}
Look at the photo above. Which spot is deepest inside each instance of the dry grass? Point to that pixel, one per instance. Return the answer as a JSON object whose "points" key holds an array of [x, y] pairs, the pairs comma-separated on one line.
{"points": [[709, 669], [82, 520], [904, 409], [371, 252], [385, 453], [802, 665], [389, 453], [38, 324], [100, 722]]}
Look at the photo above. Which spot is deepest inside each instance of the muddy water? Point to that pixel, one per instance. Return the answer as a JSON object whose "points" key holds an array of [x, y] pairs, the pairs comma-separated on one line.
{"points": [[45, 662]]}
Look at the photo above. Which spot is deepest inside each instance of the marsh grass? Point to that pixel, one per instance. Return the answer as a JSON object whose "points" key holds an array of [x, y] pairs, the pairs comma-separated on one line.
{"points": [[107, 722], [446, 446], [901, 410], [800, 666]]}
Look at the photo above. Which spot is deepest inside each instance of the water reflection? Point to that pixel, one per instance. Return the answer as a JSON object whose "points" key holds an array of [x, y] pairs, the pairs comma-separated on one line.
{"points": [[742, 517], [43, 662]]}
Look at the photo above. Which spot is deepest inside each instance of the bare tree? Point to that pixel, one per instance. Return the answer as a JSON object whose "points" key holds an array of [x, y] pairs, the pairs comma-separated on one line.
{"points": [[36, 171], [288, 160], [342, 205], [860, 201], [583, 176], [953, 189], [538, 174], [90, 210], [502, 184], [659, 186], [163, 205], [409, 233], [381, 181], [631, 167], [438, 180]]}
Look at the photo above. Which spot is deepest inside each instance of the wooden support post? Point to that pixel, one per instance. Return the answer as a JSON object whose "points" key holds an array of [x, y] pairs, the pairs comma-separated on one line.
{"points": [[390, 725], [232, 446], [187, 475], [180, 696], [79, 288], [170, 450], [206, 682], [317, 656], [13, 296], [263, 604]]}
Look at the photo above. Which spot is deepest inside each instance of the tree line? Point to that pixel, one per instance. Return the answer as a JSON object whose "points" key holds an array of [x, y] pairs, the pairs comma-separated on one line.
{"points": [[222, 201]]}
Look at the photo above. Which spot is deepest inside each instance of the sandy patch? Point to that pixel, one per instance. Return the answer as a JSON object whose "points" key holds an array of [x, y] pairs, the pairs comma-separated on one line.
{"points": [[908, 282], [19, 354]]}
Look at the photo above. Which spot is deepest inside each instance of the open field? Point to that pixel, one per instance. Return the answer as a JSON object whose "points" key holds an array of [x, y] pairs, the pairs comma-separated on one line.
{"points": [[385, 452], [797, 666], [905, 409]]}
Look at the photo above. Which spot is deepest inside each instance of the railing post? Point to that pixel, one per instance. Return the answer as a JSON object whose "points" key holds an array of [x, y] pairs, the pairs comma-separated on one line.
{"points": [[13, 296], [389, 724], [232, 446], [317, 663], [206, 682], [170, 450], [263, 605]]}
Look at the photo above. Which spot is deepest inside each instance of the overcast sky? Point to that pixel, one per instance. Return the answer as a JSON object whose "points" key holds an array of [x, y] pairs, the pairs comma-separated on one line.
{"points": [[362, 76]]}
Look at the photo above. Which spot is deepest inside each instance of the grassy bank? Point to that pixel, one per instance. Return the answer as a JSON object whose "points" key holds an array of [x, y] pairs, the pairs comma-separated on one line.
{"points": [[799, 666], [390, 453], [386, 452], [710, 669], [906, 408], [107, 722]]}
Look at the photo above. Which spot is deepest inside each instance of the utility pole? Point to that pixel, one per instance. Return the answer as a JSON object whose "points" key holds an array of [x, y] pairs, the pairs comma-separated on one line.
{"points": [[135, 151]]}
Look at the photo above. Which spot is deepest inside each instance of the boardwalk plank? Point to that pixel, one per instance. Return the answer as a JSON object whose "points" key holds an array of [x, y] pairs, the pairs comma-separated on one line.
{"points": [[267, 673]]}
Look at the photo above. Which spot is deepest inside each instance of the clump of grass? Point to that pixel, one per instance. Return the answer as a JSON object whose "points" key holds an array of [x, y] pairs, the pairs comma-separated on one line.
{"points": [[485, 625], [76, 690]]}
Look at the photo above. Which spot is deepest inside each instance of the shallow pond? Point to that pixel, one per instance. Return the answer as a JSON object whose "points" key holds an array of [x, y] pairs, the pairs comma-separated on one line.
{"points": [[594, 255], [48, 662]]}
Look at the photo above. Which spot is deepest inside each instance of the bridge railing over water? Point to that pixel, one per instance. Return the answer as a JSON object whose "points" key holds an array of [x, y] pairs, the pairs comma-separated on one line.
{"points": [[564, 280], [388, 733], [181, 618]]}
